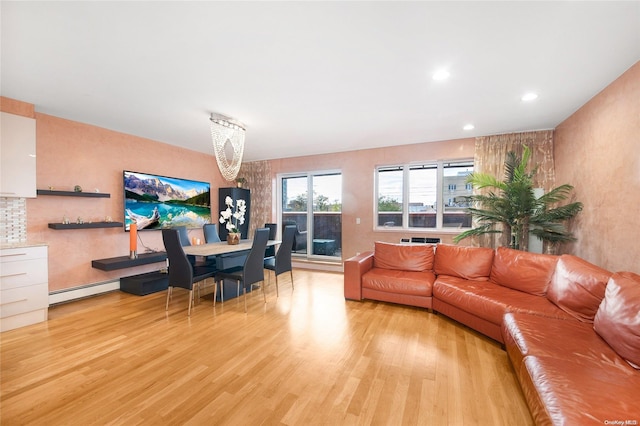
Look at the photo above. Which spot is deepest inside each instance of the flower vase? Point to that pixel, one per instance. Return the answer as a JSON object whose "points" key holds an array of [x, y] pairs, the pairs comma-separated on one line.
{"points": [[233, 238]]}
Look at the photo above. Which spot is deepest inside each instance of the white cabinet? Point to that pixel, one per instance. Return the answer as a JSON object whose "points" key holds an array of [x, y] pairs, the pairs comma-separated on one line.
{"points": [[18, 156], [24, 286]]}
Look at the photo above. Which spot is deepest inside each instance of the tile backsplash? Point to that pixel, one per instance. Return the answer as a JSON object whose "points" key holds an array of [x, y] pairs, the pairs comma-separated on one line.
{"points": [[13, 220]]}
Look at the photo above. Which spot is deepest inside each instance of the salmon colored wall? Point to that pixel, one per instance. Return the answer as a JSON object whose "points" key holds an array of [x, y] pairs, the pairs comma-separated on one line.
{"points": [[597, 151], [71, 153], [358, 169], [16, 107]]}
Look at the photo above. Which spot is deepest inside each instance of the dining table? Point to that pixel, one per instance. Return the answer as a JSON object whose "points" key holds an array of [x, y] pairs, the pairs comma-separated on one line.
{"points": [[227, 255], [222, 248]]}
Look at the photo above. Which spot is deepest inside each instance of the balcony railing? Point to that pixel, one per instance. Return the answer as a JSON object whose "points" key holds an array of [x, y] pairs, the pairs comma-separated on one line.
{"points": [[326, 226], [426, 219]]}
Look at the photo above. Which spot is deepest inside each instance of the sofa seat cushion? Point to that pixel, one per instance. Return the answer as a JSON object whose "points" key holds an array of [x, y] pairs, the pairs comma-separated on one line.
{"points": [[472, 263], [577, 287], [402, 282], [480, 298], [490, 301], [579, 391], [403, 257], [526, 334], [618, 317], [523, 271]]}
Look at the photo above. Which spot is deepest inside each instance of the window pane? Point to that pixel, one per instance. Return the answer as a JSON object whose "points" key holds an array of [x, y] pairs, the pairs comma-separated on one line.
{"points": [[327, 216], [423, 185], [454, 193], [294, 204], [390, 196]]}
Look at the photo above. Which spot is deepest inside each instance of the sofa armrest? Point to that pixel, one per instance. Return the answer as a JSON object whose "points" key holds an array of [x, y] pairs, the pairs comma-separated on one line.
{"points": [[354, 268]]}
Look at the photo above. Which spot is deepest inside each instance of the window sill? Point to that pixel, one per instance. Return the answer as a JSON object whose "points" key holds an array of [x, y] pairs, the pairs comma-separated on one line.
{"points": [[420, 231]]}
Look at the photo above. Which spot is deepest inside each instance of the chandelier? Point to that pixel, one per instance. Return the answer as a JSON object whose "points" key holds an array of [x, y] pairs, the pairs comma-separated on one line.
{"points": [[228, 140]]}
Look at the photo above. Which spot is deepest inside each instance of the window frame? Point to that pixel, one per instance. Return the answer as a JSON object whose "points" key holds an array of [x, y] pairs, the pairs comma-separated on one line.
{"points": [[440, 210]]}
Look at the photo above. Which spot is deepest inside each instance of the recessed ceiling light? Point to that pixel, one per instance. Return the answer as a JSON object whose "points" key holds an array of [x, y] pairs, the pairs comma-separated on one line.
{"points": [[469, 127], [529, 96], [441, 75]]}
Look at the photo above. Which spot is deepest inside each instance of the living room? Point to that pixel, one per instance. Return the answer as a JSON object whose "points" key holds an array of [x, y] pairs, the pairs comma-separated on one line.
{"points": [[594, 150]]}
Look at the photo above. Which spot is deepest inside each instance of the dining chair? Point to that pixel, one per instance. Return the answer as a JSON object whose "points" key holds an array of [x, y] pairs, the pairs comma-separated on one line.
{"points": [[181, 272], [273, 231], [300, 237], [252, 271], [281, 262], [210, 231], [183, 233]]}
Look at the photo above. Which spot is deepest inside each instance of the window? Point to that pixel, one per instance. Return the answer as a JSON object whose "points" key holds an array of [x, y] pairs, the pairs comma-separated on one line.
{"points": [[430, 195], [314, 202]]}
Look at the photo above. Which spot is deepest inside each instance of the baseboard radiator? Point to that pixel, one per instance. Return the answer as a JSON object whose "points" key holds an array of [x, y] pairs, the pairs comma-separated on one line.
{"points": [[69, 294]]}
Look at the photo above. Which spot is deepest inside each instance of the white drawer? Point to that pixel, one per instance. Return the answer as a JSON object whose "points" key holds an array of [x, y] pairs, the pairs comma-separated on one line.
{"points": [[23, 273], [24, 253], [19, 300]]}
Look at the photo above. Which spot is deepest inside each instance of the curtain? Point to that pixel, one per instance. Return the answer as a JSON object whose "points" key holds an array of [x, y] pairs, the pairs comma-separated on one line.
{"points": [[258, 176], [491, 153]]}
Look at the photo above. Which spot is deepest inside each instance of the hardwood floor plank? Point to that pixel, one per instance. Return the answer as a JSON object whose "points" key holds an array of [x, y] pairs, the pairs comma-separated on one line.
{"points": [[306, 357]]}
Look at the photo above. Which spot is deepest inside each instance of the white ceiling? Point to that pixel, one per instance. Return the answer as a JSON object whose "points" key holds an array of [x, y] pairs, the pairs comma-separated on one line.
{"points": [[314, 77]]}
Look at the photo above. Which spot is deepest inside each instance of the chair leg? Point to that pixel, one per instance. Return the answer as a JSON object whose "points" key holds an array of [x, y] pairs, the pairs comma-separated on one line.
{"points": [[190, 301], [263, 293], [222, 290], [244, 290], [169, 289], [277, 292], [291, 271], [215, 292]]}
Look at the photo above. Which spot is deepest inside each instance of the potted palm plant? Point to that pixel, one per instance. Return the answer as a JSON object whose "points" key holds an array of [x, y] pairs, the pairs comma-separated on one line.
{"points": [[512, 203]]}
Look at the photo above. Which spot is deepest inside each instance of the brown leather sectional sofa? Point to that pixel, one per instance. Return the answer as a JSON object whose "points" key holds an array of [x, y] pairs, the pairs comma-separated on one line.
{"points": [[570, 328]]}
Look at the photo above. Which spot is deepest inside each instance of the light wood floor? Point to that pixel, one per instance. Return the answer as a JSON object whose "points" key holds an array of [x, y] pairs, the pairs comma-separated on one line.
{"points": [[307, 357]]}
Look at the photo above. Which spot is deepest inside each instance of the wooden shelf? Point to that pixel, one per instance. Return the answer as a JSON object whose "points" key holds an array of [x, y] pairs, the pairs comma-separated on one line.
{"points": [[59, 226], [121, 262], [73, 193]]}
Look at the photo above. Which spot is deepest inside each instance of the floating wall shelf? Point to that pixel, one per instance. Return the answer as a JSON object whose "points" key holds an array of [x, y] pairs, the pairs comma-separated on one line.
{"points": [[85, 225], [73, 193], [121, 262]]}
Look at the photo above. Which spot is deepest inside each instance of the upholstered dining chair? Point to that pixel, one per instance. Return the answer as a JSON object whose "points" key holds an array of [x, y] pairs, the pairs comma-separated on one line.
{"points": [[300, 237], [273, 231], [183, 233], [181, 272], [210, 231], [281, 262], [252, 271]]}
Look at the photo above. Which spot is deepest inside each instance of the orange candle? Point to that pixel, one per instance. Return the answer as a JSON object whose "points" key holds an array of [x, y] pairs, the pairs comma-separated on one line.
{"points": [[133, 237]]}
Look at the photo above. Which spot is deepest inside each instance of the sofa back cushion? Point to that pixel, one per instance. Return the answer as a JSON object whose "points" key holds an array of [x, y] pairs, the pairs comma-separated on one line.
{"points": [[577, 287], [471, 263], [618, 318], [521, 270], [403, 257]]}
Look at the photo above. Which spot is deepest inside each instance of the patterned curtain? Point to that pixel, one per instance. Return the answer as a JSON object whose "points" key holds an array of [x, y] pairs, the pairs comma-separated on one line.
{"points": [[491, 153], [258, 176]]}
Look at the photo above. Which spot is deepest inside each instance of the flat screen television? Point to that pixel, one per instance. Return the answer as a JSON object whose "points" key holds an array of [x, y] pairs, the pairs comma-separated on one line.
{"points": [[157, 202]]}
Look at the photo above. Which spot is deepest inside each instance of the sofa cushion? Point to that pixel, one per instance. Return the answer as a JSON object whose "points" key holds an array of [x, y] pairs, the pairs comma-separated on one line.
{"points": [[521, 270], [472, 263], [577, 391], [526, 334], [618, 317], [402, 282], [491, 301], [577, 287], [403, 257]]}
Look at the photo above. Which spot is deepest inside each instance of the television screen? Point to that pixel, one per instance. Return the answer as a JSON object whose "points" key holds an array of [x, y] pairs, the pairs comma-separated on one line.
{"points": [[156, 202]]}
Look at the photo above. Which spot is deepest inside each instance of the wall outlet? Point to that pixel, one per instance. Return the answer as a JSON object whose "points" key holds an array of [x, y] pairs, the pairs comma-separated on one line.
{"points": [[357, 221]]}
